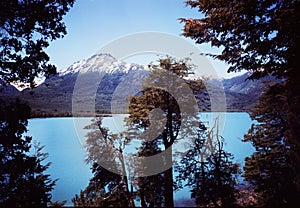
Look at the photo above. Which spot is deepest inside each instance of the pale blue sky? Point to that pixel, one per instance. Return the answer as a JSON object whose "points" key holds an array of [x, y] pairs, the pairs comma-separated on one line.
{"points": [[92, 24]]}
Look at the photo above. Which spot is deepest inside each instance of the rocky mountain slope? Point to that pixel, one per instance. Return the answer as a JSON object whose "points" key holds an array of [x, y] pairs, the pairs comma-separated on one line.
{"points": [[104, 80], [7, 89]]}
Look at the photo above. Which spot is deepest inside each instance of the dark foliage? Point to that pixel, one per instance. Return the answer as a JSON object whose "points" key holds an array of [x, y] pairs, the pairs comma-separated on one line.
{"points": [[258, 36], [261, 37], [151, 188], [23, 182], [109, 186], [155, 100], [209, 170], [268, 168], [26, 28], [105, 189]]}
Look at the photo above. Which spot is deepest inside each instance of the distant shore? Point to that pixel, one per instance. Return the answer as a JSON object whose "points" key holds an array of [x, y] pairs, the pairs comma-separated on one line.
{"points": [[89, 114]]}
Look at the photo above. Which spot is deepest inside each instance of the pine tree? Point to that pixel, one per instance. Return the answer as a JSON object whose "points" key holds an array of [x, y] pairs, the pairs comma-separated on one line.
{"points": [[268, 168], [23, 182]]}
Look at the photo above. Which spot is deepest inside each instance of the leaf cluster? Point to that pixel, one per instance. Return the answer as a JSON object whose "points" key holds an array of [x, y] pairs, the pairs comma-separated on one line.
{"points": [[23, 181], [26, 28], [258, 36]]}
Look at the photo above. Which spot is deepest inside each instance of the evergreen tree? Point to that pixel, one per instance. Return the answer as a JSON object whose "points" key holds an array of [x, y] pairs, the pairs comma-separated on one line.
{"points": [[209, 171], [26, 28], [23, 182], [268, 168], [261, 37]]}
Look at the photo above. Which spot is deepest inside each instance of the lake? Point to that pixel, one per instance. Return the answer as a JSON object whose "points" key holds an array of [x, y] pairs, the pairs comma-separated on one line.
{"points": [[63, 138]]}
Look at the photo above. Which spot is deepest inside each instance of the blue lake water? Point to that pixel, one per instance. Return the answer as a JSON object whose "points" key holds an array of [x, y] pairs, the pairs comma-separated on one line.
{"points": [[63, 140]]}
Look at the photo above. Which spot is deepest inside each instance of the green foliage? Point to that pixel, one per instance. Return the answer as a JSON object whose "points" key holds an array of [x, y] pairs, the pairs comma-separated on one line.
{"points": [[268, 168], [258, 36], [23, 182], [209, 171], [26, 28]]}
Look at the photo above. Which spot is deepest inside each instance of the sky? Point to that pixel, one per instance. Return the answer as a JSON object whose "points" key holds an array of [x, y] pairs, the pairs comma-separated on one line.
{"points": [[93, 24]]}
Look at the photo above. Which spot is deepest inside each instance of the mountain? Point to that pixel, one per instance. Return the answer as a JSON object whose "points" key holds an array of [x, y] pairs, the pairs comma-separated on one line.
{"points": [[7, 89], [242, 94], [54, 96], [102, 82], [240, 84]]}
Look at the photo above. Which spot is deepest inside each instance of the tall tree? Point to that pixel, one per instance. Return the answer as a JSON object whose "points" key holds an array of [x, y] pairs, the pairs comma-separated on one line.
{"points": [[261, 37], [109, 186], [268, 167], [26, 28], [23, 182], [145, 104], [209, 170]]}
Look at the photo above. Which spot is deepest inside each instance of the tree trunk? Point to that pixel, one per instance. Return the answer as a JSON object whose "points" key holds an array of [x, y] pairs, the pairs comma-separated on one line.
{"points": [[142, 196], [125, 180], [168, 176], [293, 118]]}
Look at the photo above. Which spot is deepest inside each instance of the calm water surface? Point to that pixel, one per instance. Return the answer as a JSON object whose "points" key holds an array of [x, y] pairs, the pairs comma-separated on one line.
{"points": [[63, 139]]}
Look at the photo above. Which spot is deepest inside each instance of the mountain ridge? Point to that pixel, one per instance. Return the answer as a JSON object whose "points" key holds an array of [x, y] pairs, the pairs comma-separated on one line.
{"points": [[54, 96]]}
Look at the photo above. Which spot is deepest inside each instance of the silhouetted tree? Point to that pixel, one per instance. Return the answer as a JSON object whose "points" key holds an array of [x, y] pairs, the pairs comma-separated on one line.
{"points": [[268, 168], [105, 189], [209, 170], [170, 115], [23, 182], [109, 186], [258, 36], [26, 28], [150, 188], [261, 37]]}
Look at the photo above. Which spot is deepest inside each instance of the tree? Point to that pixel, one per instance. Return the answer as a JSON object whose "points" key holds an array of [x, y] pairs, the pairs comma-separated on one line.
{"points": [[209, 170], [258, 36], [268, 168], [261, 37], [109, 186], [150, 188], [105, 189], [155, 118], [159, 102], [26, 28], [23, 182]]}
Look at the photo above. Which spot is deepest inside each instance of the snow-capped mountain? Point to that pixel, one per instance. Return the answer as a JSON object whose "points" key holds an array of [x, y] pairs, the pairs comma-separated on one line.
{"points": [[55, 95], [117, 79], [103, 63]]}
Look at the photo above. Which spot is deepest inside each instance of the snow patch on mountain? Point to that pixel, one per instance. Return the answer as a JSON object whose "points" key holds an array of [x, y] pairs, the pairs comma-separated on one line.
{"points": [[103, 63]]}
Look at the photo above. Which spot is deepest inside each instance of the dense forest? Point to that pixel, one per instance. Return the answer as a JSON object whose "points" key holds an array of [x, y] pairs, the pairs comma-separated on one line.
{"points": [[258, 36]]}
